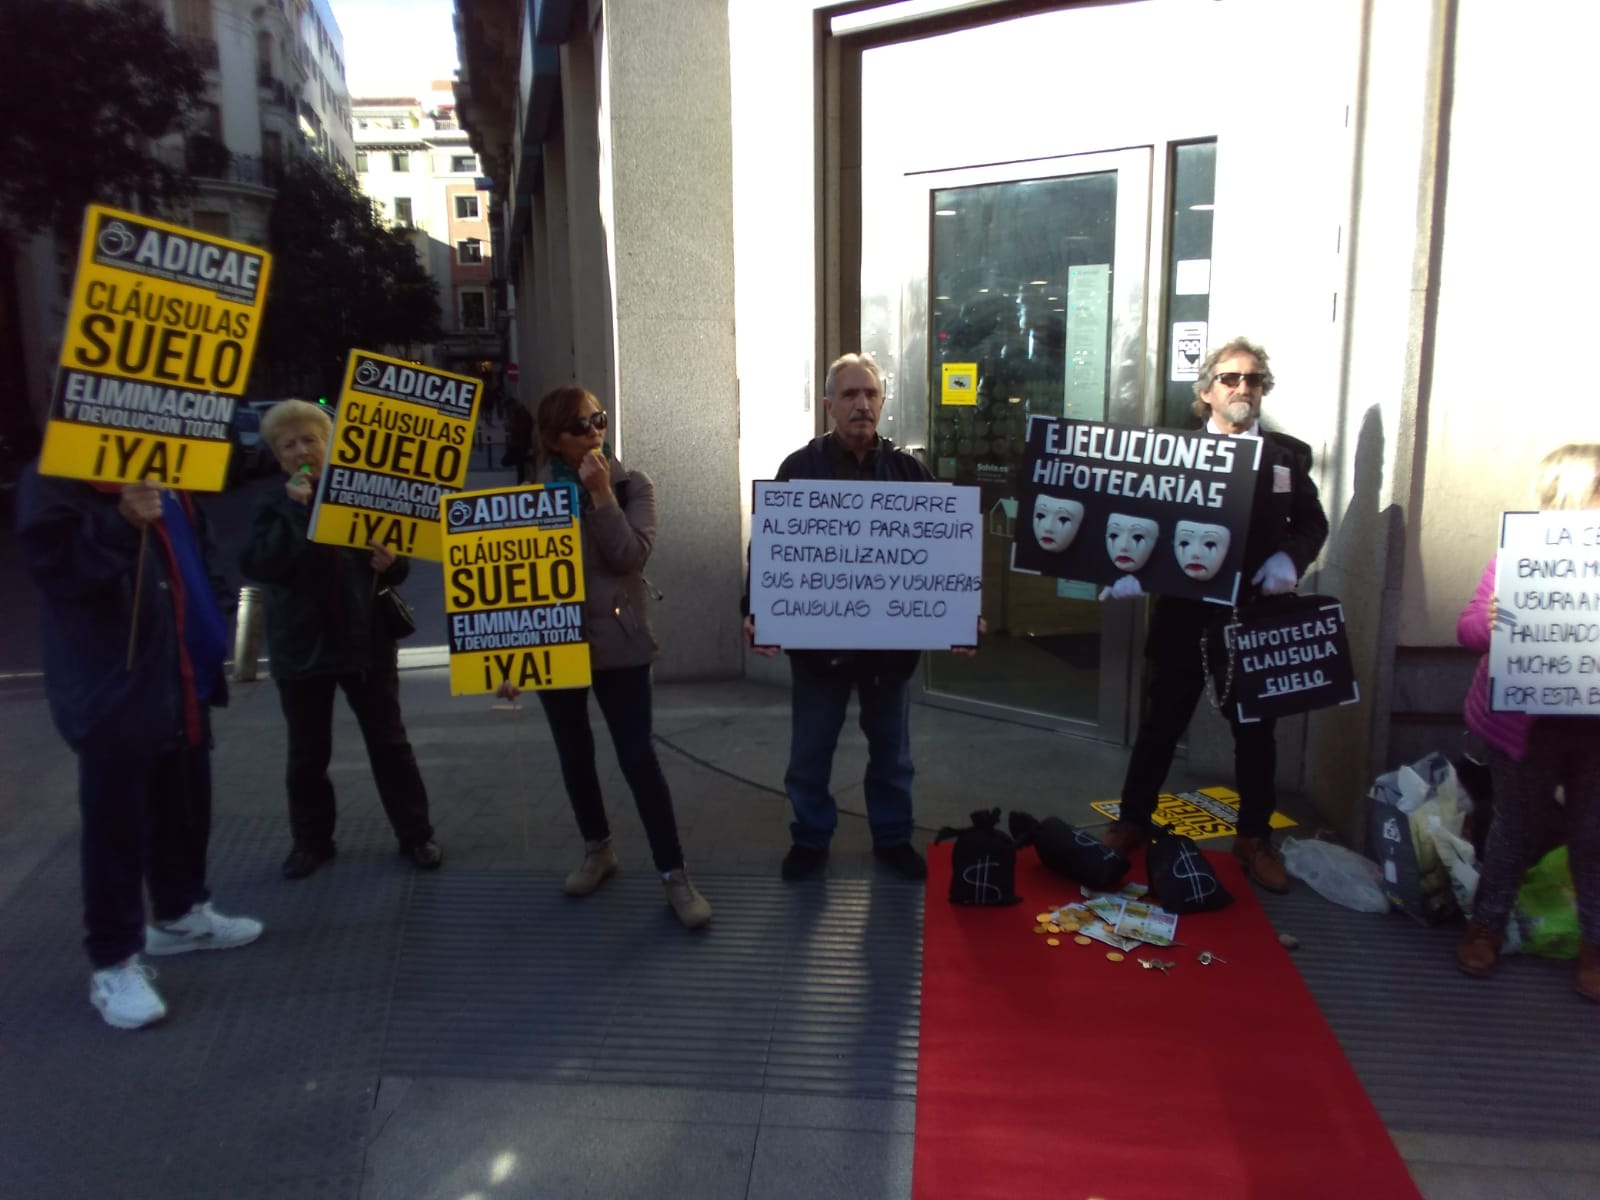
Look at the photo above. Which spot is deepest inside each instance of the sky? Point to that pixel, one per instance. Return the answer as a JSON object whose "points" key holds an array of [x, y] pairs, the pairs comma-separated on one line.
{"points": [[396, 47]]}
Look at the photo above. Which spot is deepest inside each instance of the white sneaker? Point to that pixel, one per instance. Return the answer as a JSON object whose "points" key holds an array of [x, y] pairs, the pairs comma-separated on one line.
{"points": [[201, 928], [124, 996]]}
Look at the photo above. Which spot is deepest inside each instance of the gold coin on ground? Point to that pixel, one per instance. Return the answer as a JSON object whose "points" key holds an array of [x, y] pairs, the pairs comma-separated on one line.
{"points": [[1082, 941], [1041, 929], [1041, 917], [1115, 956], [1052, 941], [1053, 927], [1071, 926]]}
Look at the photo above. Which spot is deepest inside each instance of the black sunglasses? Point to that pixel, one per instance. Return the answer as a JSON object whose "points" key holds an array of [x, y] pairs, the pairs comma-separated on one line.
{"points": [[1252, 380], [578, 426]]}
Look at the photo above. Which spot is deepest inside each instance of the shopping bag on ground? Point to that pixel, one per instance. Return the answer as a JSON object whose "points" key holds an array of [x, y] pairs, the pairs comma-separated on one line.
{"points": [[1546, 915], [1402, 838], [1336, 873]]}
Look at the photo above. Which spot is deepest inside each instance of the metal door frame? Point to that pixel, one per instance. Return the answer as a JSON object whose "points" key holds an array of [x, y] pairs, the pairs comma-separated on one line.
{"points": [[902, 345]]}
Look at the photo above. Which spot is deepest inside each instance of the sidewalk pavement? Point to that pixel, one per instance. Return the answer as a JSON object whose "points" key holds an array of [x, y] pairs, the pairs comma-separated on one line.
{"points": [[398, 1035]]}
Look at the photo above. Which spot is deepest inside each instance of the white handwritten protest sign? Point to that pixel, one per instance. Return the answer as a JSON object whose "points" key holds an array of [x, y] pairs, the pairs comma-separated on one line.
{"points": [[1544, 651], [840, 565]]}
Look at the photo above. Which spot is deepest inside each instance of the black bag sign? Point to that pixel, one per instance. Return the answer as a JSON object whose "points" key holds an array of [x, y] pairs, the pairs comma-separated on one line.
{"points": [[1282, 657]]}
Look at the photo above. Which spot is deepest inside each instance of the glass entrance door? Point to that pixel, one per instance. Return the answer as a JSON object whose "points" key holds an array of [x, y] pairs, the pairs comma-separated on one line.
{"points": [[1029, 299]]}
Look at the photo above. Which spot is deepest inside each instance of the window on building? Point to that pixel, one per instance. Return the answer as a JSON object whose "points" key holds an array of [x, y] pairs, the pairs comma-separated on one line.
{"points": [[361, 162], [469, 251], [464, 163], [400, 160], [466, 208], [474, 310], [271, 145], [215, 223], [402, 211]]}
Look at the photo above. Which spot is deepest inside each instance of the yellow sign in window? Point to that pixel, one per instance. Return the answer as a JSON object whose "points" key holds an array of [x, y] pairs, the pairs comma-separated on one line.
{"points": [[958, 384]]}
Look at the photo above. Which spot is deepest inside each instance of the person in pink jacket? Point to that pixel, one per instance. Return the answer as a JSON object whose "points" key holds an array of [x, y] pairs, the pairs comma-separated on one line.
{"points": [[1529, 757]]}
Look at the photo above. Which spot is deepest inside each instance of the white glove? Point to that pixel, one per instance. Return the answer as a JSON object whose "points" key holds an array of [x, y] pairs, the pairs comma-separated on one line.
{"points": [[1277, 575], [1125, 588]]}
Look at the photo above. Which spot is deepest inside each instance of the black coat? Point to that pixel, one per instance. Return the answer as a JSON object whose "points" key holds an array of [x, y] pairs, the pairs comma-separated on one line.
{"points": [[321, 600]]}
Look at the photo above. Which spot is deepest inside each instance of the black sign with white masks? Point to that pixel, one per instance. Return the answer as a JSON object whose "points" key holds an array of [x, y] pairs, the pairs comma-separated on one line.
{"points": [[1101, 502]]}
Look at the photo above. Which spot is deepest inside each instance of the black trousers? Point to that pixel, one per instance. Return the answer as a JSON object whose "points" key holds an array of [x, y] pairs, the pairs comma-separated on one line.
{"points": [[625, 702], [1176, 681], [374, 698], [146, 822]]}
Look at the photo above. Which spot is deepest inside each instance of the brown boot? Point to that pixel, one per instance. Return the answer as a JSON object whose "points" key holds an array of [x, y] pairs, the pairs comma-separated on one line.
{"points": [[1262, 862], [687, 902], [599, 863], [1478, 951], [1125, 836], [1588, 981]]}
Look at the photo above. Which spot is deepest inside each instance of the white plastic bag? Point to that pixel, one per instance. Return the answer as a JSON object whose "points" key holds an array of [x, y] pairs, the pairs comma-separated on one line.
{"points": [[1336, 874], [1458, 857]]}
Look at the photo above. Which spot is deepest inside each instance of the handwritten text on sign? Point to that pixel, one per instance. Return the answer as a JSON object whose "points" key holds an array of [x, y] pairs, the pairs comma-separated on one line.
{"points": [[514, 590], [1544, 651], [840, 565]]}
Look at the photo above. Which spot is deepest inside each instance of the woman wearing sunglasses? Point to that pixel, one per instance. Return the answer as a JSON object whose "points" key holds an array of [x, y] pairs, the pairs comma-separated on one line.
{"points": [[617, 517]]}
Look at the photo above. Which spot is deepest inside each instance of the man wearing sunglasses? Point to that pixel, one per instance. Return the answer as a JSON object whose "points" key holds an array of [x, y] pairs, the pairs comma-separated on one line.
{"points": [[824, 679], [1287, 530]]}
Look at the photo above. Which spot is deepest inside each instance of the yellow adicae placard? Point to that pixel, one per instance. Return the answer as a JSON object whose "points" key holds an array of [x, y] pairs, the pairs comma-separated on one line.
{"points": [[401, 442], [958, 384], [157, 347], [513, 589]]}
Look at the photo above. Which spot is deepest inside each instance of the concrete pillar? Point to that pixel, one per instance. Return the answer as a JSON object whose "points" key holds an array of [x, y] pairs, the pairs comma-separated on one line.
{"points": [[667, 198]]}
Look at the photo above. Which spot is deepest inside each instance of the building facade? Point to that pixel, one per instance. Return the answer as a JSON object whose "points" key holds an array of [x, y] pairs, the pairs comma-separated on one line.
{"points": [[275, 88], [415, 160], [704, 201]]}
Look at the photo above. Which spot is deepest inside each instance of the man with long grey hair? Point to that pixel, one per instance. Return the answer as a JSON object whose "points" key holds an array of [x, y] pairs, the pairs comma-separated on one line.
{"points": [[1287, 530]]}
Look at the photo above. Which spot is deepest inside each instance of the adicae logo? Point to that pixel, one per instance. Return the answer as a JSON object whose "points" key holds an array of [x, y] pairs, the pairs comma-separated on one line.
{"points": [[460, 513], [115, 239], [367, 373]]}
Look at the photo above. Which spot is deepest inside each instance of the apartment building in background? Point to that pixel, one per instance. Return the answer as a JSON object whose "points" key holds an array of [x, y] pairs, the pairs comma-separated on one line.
{"points": [[415, 160], [275, 75]]}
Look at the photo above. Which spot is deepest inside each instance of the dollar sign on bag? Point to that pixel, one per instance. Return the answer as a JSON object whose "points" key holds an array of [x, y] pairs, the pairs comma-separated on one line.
{"points": [[1187, 866], [980, 885]]}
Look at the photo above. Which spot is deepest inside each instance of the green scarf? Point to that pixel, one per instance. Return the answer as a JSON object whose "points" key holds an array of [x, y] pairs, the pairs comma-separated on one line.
{"points": [[561, 473]]}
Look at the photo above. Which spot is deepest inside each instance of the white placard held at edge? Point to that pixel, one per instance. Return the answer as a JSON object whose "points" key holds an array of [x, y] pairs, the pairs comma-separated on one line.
{"points": [[838, 565], [1544, 651]]}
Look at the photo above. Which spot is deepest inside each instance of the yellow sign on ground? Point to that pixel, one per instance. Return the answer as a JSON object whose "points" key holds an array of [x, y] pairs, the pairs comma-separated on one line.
{"points": [[157, 347], [513, 590], [401, 443], [1208, 813], [958, 383]]}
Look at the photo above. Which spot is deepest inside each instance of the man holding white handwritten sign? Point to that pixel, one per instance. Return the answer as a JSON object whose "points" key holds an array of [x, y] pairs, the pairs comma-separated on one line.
{"points": [[856, 575], [1287, 528]]}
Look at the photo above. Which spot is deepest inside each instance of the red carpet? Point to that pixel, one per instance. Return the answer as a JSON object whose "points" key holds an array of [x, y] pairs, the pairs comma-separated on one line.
{"points": [[1052, 1072]]}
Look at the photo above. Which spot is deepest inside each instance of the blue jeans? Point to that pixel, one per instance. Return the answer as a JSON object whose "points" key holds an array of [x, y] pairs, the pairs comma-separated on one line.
{"points": [[817, 715]]}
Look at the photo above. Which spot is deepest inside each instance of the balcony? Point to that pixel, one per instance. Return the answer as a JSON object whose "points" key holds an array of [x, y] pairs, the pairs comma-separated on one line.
{"points": [[206, 158], [275, 91]]}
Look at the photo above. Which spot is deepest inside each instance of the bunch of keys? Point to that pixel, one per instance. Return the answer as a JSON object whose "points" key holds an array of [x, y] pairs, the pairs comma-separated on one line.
{"points": [[1206, 958], [1155, 964]]}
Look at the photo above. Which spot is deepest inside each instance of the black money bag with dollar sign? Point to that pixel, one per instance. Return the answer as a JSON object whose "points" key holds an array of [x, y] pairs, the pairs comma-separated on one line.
{"points": [[983, 862], [1180, 876]]}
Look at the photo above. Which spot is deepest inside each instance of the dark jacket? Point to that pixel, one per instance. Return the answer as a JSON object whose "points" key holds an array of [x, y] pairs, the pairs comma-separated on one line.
{"points": [[617, 540], [321, 600], [1290, 520], [812, 461], [83, 556]]}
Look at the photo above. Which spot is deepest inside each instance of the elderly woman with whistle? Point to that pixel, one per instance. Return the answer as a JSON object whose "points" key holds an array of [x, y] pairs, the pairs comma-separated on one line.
{"points": [[325, 634], [617, 519]]}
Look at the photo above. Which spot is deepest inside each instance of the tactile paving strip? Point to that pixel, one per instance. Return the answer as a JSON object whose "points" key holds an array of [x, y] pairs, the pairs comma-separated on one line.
{"points": [[1517, 1055], [811, 988], [261, 1080]]}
